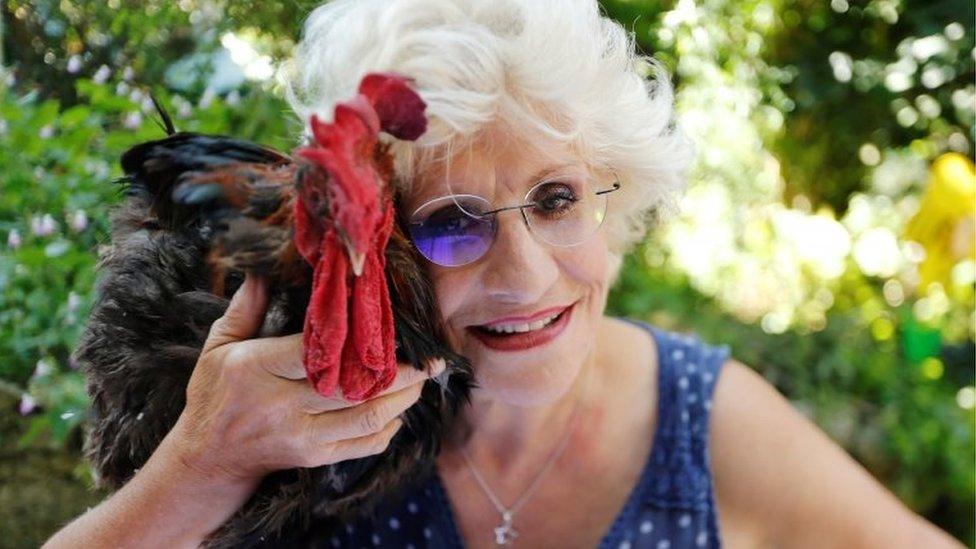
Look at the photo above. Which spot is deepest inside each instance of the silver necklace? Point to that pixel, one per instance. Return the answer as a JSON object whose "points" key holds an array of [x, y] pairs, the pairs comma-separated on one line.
{"points": [[504, 532]]}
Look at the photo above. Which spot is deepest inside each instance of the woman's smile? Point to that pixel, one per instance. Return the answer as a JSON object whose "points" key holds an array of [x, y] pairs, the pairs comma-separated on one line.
{"points": [[521, 336]]}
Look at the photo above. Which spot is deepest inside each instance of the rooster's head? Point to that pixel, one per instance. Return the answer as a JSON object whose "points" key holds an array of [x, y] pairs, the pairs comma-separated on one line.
{"points": [[346, 182]]}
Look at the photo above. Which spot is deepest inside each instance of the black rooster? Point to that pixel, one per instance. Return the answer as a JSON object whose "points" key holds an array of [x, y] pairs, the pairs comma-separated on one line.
{"points": [[199, 211]]}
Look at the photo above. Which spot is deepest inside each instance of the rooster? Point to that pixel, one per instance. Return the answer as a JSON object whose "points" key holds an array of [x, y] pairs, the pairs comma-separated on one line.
{"points": [[321, 225]]}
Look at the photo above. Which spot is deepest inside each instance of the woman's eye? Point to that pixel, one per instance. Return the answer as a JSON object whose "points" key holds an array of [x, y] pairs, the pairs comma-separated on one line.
{"points": [[448, 219], [554, 198]]}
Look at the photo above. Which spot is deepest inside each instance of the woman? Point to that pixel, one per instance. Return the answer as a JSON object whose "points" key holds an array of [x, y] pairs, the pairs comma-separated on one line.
{"points": [[586, 430]]}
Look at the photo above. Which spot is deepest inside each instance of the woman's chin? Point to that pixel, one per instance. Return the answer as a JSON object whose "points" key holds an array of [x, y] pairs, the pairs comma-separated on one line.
{"points": [[528, 388], [528, 378]]}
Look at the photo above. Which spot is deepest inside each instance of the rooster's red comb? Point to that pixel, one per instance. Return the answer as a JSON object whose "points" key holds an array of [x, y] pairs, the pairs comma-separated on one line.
{"points": [[399, 107]]}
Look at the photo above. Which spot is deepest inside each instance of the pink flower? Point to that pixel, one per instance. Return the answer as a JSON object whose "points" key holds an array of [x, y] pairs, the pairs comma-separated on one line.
{"points": [[27, 404]]}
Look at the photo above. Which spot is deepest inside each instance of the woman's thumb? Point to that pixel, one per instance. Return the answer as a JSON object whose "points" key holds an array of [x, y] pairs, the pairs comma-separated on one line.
{"points": [[243, 316]]}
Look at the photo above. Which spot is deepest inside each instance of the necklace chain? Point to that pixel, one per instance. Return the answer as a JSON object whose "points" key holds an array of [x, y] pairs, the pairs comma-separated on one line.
{"points": [[504, 533]]}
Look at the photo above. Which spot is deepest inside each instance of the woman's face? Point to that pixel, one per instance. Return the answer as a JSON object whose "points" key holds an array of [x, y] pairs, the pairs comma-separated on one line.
{"points": [[519, 276]]}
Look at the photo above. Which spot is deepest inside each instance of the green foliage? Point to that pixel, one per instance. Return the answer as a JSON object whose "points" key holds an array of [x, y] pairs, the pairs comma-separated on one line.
{"points": [[56, 194], [905, 67]]}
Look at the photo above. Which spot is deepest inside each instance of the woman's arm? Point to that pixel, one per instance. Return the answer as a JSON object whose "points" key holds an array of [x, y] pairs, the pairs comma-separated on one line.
{"points": [[781, 482], [166, 504]]}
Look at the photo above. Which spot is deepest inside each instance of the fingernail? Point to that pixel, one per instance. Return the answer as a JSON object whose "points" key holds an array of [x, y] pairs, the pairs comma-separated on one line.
{"points": [[251, 285]]}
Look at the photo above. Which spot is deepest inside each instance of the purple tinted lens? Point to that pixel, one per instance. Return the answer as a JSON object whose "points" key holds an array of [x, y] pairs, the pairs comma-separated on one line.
{"points": [[449, 237]]}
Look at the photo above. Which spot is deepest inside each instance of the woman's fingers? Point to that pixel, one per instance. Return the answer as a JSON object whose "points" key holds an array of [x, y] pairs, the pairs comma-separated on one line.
{"points": [[354, 448], [370, 444], [313, 403], [366, 418], [280, 356]]}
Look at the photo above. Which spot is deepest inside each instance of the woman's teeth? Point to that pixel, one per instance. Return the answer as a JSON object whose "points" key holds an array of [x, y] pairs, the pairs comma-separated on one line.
{"points": [[519, 328]]}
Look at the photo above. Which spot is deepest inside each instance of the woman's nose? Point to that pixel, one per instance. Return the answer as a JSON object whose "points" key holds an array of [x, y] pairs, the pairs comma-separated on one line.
{"points": [[519, 268]]}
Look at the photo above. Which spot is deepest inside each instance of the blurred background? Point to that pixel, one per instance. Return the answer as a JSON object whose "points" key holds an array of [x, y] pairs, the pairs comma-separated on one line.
{"points": [[827, 234]]}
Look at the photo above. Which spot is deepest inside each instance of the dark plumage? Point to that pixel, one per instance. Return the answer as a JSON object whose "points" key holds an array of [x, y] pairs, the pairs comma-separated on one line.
{"points": [[177, 254]]}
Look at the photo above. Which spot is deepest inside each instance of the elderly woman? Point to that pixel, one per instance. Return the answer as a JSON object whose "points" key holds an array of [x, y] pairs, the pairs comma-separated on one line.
{"points": [[585, 430]]}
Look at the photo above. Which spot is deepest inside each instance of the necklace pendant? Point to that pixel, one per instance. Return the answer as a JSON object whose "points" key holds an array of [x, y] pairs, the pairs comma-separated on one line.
{"points": [[505, 534]]}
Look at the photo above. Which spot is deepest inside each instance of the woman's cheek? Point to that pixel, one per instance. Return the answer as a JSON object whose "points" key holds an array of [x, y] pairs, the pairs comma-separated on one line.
{"points": [[449, 290]]}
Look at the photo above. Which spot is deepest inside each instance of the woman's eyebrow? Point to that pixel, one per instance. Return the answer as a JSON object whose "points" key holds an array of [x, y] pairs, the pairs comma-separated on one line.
{"points": [[545, 172]]}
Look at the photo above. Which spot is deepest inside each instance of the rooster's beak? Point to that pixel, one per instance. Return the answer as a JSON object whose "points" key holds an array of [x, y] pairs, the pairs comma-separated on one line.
{"points": [[357, 259]]}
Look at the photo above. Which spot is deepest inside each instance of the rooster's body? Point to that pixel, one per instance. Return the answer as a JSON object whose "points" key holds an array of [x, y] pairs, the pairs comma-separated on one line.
{"points": [[200, 211]]}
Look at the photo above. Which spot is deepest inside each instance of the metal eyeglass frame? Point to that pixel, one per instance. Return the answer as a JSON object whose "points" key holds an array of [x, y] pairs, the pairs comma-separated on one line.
{"points": [[521, 207]]}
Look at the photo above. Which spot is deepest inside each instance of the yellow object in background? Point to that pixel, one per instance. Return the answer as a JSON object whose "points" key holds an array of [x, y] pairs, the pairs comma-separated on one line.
{"points": [[945, 224]]}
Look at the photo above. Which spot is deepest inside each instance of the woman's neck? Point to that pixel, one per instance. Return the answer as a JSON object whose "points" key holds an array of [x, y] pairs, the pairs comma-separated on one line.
{"points": [[512, 442]]}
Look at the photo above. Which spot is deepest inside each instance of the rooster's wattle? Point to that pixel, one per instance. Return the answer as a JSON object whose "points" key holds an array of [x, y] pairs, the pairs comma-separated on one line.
{"points": [[202, 210]]}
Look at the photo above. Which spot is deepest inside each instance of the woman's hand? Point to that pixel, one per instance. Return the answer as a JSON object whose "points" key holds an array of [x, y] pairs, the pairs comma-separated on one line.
{"points": [[250, 409]]}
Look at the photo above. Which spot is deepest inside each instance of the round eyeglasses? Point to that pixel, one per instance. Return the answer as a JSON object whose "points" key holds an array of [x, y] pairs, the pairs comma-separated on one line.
{"points": [[457, 229]]}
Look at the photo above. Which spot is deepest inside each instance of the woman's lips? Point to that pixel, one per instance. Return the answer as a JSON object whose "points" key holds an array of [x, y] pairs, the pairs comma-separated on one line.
{"points": [[524, 340]]}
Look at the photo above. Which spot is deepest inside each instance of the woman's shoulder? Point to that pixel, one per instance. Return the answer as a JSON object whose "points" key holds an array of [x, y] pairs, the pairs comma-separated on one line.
{"points": [[682, 358], [772, 466]]}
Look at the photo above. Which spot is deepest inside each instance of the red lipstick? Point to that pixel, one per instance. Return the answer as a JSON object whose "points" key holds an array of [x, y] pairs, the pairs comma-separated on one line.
{"points": [[524, 340]]}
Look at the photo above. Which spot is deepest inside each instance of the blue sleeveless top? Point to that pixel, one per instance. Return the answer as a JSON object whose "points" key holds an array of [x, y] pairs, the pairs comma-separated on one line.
{"points": [[672, 506]]}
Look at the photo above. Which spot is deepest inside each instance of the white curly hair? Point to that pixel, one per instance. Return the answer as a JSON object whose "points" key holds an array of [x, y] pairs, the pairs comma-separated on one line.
{"points": [[558, 68]]}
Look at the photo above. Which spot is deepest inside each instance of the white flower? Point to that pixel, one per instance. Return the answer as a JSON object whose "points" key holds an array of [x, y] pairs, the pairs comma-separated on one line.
{"points": [[128, 73], [102, 74], [207, 98], [74, 64], [73, 302], [13, 239], [46, 131], [133, 120], [147, 104], [42, 369], [78, 221], [44, 225], [184, 110]]}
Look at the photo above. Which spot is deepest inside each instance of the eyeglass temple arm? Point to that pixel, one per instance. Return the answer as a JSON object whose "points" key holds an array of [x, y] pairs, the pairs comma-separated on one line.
{"points": [[616, 185]]}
